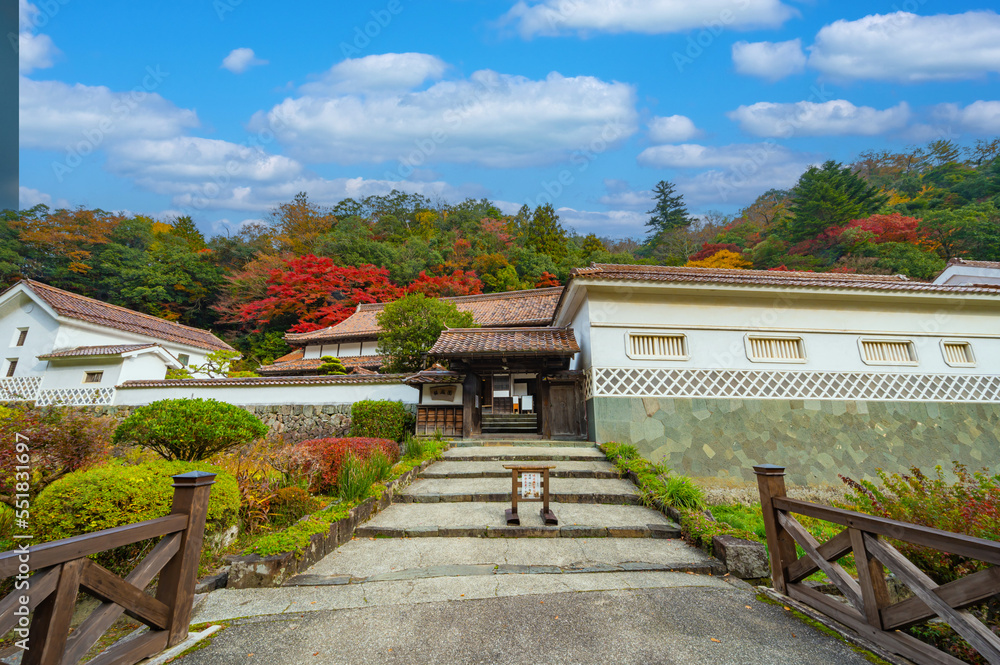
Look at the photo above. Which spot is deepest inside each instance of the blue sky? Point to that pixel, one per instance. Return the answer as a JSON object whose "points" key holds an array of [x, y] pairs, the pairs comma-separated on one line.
{"points": [[222, 109]]}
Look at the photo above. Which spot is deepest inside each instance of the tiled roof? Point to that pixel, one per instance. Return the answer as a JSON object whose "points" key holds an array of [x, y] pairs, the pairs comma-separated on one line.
{"points": [[296, 354], [258, 381], [81, 308], [774, 278], [435, 374], [310, 365], [533, 307], [503, 341], [975, 264], [89, 351]]}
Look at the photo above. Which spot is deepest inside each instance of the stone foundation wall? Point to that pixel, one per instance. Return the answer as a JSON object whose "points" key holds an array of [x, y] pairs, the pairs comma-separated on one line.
{"points": [[292, 422], [814, 439]]}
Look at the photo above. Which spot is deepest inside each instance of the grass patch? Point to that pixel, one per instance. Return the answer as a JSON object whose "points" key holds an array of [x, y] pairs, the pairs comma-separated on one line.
{"points": [[296, 537]]}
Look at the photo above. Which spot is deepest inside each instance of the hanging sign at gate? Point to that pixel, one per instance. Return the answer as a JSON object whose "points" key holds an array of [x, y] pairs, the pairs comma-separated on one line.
{"points": [[531, 486]]}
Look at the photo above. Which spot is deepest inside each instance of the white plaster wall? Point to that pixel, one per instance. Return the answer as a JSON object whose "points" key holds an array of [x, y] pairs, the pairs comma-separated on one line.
{"points": [[959, 274], [42, 331], [428, 400], [294, 394], [71, 374], [716, 327], [582, 331], [143, 367], [314, 351]]}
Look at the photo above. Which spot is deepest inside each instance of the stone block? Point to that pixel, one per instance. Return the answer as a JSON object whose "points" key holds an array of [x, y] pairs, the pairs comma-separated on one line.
{"points": [[422, 532], [744, 559], [628, 532], [462, 531], [580, 531], [254, 572]]}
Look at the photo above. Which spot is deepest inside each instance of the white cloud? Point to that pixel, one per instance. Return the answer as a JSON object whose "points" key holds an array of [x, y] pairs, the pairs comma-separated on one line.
{"points": [[906, 47], [241, 59], [489, 118], [769, 60], [554, 17], [388, 71], [34, 51], [613, 223], [28, 198], [56, 115], [730, 175], [621, 195], [672, 129], [833, 118], [980, 117]]}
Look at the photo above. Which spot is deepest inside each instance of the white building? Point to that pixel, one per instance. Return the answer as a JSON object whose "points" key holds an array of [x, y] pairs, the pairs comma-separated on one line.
{"points": [[60, 347], [962, 271]]}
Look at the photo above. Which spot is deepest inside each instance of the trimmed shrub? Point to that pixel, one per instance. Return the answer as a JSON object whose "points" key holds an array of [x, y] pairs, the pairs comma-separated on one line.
{"points": [[290, 504], [189, 429], [379, 419], [54, 441], [114, 495], [323, 458]]}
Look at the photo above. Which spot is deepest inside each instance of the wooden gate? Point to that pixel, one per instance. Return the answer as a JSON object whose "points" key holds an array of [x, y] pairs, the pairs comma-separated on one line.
{"points": [[564, 414]]}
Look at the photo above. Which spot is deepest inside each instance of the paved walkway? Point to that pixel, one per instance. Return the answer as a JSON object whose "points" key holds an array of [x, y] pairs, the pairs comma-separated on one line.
{"points": [[635, 595]]}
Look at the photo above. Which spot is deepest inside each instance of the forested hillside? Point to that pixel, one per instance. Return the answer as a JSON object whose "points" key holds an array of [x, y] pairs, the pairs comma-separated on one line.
{"points": [[308, 265]]}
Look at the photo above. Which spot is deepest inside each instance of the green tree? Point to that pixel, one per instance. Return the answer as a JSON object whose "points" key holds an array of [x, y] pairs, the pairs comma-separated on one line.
{"points": [[829, 196], [331, 366], [411, 325], [669, 213], [542, 231]]}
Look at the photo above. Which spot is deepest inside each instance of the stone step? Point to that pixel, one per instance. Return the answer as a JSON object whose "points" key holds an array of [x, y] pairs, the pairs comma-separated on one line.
{"points": [[510, 441], [496, 470], [561, 490], [376, 559], [524, 454], [488, 519]]}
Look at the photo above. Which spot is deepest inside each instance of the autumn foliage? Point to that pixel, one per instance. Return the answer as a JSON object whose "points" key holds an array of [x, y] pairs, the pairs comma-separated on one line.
{"points": [[458, 283], [721, 259], [312, 293], [322, 459]]}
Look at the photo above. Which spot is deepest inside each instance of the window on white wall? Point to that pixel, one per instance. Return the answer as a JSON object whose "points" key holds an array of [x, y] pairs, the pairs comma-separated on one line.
{"points": [[958, 353], [656, 346], [22, 334], [93, 377], [184, 359], [888, 352], [11, 366], [775, 349]]}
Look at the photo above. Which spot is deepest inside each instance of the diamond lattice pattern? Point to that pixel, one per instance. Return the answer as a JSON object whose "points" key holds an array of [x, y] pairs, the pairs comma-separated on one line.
{"points": [[19, 388], [636, 382], [77, 397]]}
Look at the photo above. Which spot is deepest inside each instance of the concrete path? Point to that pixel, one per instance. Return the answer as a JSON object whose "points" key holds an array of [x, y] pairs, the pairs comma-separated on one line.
{"points": [[473, 590]]}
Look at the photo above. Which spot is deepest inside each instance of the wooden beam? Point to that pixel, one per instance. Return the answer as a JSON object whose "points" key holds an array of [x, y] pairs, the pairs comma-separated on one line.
{"points": [[132, 651], [42, 584], [88, 632], [966, 625], [959, 594], [945, 541], [871, 578], [50, 623], [68, 549], [831, 550], [771, 486], [837, 575], [109, 588]]}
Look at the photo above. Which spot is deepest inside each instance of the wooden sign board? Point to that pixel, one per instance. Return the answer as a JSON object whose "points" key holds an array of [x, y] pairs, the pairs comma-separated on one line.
{"points": [[529, 482]]}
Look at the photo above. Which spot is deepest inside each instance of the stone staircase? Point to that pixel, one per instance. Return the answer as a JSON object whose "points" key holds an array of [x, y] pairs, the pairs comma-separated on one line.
{"points": [[510, 423], [450, 522]]}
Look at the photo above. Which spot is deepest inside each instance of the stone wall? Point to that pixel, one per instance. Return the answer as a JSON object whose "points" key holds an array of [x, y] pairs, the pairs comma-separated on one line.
{"points": [[292, 422], [814, 439]]}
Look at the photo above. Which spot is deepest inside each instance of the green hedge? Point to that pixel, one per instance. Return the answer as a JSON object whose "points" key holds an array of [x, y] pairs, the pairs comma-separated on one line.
{"points": [[379, 420], [114, 494]]}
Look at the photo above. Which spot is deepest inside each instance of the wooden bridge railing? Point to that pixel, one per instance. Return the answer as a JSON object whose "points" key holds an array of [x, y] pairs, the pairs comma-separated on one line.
{"points": [[63, 570], [871, 612]]}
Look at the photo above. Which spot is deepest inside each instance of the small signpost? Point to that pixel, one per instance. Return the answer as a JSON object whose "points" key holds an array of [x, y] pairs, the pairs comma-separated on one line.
{"points": [[529, 482]]}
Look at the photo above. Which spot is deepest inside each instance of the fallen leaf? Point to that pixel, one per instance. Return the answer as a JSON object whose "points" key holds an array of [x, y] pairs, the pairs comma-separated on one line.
{"points": [[793, 634], [557, 616], [316, 654], [715, 640], [462, 595], [748, 607], [787, 608]]}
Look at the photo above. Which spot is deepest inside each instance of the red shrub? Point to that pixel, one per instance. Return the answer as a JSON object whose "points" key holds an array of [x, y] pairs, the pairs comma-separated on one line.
{"points": [[322, 458]]}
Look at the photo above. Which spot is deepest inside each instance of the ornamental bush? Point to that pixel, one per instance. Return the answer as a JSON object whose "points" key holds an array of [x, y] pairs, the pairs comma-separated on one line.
{"points": [[189, 429], [52, 441], [379, 419], [323, 458], [115, 494]]}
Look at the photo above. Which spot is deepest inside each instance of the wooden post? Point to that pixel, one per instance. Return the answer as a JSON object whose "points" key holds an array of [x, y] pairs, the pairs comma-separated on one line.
{"points": [[871, 577], [771, 484], [178, 578], [50, 624]]}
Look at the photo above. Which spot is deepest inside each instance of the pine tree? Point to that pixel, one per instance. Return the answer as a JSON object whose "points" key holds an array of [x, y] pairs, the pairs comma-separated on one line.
{"points": [[669, 213], [331, 366], [829, 196]]}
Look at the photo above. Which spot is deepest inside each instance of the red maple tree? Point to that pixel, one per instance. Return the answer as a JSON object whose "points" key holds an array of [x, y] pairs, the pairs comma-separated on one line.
{"points": [[317, 293], [547, 279], [458, 283]]}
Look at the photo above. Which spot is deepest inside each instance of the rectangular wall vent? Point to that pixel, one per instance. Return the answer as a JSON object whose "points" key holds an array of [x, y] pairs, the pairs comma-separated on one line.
{"points": [[958, 354], [775, 349], [888, 352], [656, 346]]}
